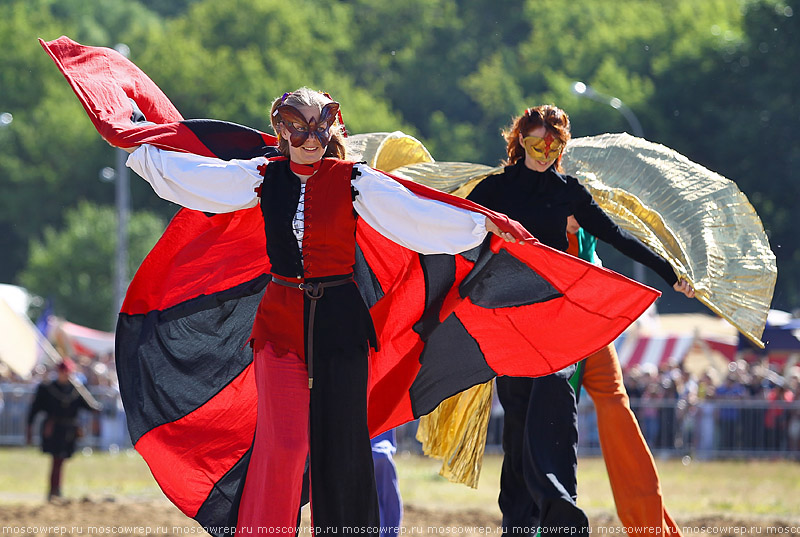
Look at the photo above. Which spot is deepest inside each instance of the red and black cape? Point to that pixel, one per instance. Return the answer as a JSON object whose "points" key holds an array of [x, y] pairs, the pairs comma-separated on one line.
{"points": [[444, 322]]}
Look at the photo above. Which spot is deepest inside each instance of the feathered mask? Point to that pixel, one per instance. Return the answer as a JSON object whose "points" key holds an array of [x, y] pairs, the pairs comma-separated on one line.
{"points": [[300, 128]]}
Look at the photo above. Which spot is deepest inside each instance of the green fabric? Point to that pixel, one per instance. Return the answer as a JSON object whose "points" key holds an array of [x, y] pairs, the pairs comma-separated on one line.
{"points": [[576, 379], [586, 247]]}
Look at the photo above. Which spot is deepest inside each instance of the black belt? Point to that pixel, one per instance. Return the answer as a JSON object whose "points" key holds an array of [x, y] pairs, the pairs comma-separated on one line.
{"points": [[313, 291]]}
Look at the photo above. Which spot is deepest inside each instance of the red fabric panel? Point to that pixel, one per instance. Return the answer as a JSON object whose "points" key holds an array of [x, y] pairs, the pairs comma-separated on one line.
{"points": [[597, 306], [330, 249], [533, 340], [104, 81], [199, 254], [272, 491], [401, 279], [188, 456], [286, 304]]}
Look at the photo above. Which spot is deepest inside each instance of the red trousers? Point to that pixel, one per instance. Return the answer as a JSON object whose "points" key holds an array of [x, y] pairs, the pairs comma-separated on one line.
{"points": [[272, 490], [326, 425], [631, 468]]}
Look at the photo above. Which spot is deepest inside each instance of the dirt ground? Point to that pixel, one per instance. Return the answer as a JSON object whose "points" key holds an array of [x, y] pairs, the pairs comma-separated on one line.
{"points": [[114, 518]]}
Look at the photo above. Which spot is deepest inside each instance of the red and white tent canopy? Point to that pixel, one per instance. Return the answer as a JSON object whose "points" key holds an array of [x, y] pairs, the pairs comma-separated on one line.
{"points": [[669, 339], [79, 339], [654, 350]]}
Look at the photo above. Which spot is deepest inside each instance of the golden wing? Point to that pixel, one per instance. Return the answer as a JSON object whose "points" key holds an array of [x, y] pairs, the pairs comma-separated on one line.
{"points": [[695, 218]]}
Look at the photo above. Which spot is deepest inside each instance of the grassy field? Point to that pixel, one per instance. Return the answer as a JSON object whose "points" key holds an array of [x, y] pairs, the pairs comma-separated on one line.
{"points": [[733, 488], [691, 490]]}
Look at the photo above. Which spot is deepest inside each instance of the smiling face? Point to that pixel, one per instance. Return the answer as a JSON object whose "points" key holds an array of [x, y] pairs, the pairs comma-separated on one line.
{"points": [[541, 148], [306, 128]]}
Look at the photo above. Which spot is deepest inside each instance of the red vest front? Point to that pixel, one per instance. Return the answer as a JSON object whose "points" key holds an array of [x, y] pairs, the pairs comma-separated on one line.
{"points": [[329, 243], [328, 249]]}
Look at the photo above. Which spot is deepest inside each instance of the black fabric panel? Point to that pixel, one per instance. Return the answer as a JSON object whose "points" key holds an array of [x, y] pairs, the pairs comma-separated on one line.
{"points": [[451, 362], [219, 513], [502, 281], [440, 276], [172, 362], [201, 303], [474, 253], [340, 456], [342, 320], [368, 284], [279, 194], [225, 139], [230, 140]]}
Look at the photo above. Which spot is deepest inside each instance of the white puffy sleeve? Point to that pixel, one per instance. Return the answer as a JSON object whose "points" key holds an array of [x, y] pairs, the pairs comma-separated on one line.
{"points": [[200, 183], [424, 225]]}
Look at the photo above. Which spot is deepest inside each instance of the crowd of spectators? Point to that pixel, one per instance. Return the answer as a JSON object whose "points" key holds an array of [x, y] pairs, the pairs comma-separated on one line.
{"points": [[750, 407]]}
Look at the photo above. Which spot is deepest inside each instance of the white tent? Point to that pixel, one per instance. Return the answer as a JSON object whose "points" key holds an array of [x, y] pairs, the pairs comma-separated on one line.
{"points": [[18, 339]]}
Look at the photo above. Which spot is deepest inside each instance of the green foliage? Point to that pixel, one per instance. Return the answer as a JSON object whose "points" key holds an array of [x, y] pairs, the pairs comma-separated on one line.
{"points": [[74, 265], [168, 9], [715, 80]]}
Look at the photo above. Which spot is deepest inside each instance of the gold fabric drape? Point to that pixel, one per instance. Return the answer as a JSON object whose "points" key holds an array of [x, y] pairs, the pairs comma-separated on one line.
{"points": [[455, 432], [696, 219]]}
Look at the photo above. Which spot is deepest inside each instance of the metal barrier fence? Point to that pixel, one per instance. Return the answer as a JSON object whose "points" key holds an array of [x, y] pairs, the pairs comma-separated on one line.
{"points": [[711, 429]]}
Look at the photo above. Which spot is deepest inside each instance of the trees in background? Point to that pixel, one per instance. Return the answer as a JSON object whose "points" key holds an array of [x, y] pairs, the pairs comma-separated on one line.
{"points": [[714, 80], [73, 265]]}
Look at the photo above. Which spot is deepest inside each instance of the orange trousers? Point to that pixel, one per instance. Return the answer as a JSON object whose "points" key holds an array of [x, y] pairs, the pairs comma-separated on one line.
{"points": [[631, 468]]}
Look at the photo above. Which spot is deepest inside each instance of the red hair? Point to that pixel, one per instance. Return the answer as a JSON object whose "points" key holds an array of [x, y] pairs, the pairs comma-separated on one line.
{"points": [[552, 118]]}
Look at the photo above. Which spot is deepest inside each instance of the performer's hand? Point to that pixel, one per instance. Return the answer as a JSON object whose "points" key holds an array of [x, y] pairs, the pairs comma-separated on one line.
{"points": [[492, 227], [682, 286], [572, 225]]}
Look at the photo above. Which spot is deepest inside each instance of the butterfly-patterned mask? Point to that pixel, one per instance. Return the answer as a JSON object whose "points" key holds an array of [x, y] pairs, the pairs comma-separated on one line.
{"points": [[542, 149], [300, 128]]}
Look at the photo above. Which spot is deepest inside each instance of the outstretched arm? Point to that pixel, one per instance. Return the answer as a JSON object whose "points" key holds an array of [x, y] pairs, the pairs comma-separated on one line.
{"points": [[631, 246], [200, 183], [421, 224]]}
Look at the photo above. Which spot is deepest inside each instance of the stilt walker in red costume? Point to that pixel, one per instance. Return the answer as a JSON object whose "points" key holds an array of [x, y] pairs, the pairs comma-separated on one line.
{"points": [[312, 331], [367, 300]]}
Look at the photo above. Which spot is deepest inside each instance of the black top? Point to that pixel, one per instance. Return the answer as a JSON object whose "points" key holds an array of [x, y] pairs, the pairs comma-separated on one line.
{"points": [[542, 201], [58, 401]]}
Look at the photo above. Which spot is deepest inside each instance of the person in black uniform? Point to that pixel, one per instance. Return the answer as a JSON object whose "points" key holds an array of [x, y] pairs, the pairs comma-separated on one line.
{"points": [[540, 436], [60, 400]]}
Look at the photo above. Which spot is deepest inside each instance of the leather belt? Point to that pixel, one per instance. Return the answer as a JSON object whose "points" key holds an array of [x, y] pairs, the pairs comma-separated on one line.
{"points": [[314, 291]]}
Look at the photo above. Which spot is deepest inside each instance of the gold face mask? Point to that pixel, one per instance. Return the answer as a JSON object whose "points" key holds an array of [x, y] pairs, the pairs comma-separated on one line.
{"points": [[542, 149]]}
